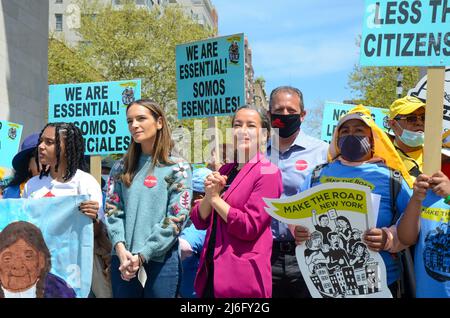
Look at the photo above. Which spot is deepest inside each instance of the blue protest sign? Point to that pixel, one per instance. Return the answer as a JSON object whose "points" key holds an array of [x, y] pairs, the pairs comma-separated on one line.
{"points": [[55, 230], [98, 109], [10, 134], [332, 112], [210, 77], [406, 33]]}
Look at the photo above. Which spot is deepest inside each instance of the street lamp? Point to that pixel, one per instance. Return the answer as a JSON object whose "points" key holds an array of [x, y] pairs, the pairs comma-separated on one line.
{"points": [[399, 89]]}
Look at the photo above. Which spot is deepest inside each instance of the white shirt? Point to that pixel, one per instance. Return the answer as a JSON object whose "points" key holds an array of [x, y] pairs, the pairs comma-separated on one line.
{"points": [[81, 183], [29, 293]]}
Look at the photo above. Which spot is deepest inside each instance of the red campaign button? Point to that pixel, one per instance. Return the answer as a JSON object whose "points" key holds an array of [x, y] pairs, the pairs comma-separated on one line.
{"points": [[150, 181], [301, 165]]}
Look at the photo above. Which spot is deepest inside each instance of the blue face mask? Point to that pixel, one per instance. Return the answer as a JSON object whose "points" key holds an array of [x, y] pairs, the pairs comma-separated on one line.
{"points": [[353, 148], [412, 138]]}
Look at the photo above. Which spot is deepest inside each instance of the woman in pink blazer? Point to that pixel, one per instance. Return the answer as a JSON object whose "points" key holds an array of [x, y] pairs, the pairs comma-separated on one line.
{"points": [[235, 261]]}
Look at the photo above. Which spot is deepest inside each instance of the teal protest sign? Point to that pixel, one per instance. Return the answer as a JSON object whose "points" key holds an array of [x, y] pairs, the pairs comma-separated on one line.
{"points": [[10, 134], [57, 241], [332, 112], [98, 109], [406, 33], [210, 77]]}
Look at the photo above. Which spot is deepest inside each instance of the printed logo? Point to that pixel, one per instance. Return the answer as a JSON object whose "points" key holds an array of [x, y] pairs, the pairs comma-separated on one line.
{"points": [[435, 254], [233, 52], [12, 133], [128, 95], [277, 123], [49, 195]]}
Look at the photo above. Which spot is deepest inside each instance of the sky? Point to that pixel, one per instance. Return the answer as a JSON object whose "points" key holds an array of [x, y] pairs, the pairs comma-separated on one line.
{"points": [[309, 44]]}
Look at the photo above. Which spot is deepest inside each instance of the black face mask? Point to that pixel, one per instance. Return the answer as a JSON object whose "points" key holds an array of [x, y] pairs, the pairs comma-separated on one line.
{"points": [[353, 148], [287, 124]]}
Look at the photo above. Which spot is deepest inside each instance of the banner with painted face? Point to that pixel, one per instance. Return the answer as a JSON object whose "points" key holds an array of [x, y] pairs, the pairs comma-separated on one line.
{"points": [[335, 262], [46, 248]]}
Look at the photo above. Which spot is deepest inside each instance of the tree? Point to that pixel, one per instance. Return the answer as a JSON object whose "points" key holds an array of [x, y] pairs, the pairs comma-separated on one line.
{"points": [[66, 66], [135, 42], [314, 119], [376, 86]]}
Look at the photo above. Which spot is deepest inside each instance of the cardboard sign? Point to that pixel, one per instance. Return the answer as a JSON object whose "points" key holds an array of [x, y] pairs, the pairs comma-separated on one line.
{"points": [[98, 109], [10, 134], [210, 77], [335, 262], [333, 111], [406, 33]]}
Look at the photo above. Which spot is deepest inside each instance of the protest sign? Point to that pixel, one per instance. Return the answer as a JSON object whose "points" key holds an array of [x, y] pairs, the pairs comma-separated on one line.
{"points": [[406, 33], [412, 33], [99, 110], [420, 91], [333, 111], [60, 243], [10, 134], [210, 77], [335, 262]]}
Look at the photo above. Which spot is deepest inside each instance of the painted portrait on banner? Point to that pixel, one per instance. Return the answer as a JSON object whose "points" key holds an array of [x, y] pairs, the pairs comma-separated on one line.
{"points": [[335, 262], [46, 248]]}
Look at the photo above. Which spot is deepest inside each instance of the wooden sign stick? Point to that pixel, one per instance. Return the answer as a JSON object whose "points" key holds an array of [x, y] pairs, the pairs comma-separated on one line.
{"points": [[96, 168], [433, 120]]}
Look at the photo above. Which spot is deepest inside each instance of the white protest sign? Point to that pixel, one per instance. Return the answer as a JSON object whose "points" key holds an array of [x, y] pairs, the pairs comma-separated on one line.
{"points": [[335, 262]]}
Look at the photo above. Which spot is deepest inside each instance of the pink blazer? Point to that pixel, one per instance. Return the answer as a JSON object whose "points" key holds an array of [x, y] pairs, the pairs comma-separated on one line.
{"points": [[243, 244]]}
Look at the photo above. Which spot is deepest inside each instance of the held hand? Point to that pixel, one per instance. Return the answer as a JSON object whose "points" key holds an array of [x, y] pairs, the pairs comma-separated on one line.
{"points": [[89, 208], [420, 187], [440, 184], [375, 239], [135, 263], [125, 258], [301, 234]]}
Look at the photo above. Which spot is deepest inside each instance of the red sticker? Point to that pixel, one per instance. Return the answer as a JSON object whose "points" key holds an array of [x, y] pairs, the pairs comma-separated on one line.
{"points": [[49, 195], [150, 181], [301, 165]]}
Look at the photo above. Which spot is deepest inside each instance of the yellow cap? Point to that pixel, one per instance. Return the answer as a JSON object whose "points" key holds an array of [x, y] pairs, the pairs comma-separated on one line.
{"points": [[404, 106], [358, 112]]}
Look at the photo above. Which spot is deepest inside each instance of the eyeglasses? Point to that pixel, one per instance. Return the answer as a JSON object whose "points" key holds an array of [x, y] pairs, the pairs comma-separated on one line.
{"points": [[411, 118]]}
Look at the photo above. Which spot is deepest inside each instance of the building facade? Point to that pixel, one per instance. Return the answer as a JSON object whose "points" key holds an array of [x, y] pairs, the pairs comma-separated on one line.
{"points": [[23, 63], [64, 15]]}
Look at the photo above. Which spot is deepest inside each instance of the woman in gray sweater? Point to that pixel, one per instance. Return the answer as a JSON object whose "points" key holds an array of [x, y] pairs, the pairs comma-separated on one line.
{"points": [[149, 192]]}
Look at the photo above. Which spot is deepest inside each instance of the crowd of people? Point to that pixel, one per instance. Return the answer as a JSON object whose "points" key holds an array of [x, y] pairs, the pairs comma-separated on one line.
{"points": [[163, 229]]}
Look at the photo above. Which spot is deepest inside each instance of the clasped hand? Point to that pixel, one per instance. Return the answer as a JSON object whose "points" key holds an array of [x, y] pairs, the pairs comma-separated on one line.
{"points": [[129, 263], [214, 184]]}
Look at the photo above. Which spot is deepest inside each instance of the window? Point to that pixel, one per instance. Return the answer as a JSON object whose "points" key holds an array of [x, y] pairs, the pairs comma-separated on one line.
{"points": [[58, 1], [59, 22]]}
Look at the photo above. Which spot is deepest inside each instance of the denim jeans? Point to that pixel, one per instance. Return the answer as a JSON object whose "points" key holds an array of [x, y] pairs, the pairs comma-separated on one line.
{"points": [[163, 279]]}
